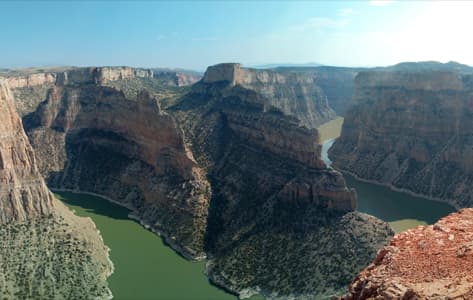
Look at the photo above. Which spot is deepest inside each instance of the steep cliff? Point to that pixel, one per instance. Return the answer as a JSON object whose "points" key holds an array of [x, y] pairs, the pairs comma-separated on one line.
{"points": [[30, 86], [337, 83], [295, 94], [92, 138], [44, 246], [276, 210], [428, 262], [411, 130], [231, 171]]}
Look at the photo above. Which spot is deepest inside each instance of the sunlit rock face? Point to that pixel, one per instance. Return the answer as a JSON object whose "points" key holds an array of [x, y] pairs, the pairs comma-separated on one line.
{"points": [[412, 130], [427, 262], [23, 193]]}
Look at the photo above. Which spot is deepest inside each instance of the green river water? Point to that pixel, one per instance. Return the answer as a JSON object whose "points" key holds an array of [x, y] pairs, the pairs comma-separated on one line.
{"points": [[146, 268]]}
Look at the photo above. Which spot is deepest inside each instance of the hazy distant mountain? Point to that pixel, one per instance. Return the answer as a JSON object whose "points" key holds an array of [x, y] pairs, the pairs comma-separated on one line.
{"points": [[422, 66]]}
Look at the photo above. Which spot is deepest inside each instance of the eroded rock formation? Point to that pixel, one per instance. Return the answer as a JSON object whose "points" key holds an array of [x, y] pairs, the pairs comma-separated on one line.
{"points": [[23, 192], [428, 262], [271, 193], [293, 93], [44, 246], [232, 170], [30, 87], [92, 138], [411, 130]]}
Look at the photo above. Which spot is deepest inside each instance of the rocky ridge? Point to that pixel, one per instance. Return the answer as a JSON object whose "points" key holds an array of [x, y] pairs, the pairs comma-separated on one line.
{"points": [[271, 193], [428, 262], [231, 170], [44, 246], [411, 131], [30, 87], [295, 94]]}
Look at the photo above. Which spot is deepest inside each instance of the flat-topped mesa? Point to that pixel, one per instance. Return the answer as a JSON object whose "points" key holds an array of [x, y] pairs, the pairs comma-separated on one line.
{"points": [[294, 94], [23, 193], [228, 72], [411, 130], [428, 262], [97, 75]]}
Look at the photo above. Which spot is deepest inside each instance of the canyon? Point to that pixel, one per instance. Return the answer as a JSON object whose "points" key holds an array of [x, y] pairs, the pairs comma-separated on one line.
{"points": [[44, 245], [411, 130], [225, 169]]}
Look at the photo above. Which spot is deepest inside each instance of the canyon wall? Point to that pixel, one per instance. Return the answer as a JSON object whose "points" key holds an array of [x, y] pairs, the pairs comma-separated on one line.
{"points": [[411, 130], [30, 87], [337, 83], [92, 138], [427, 262], [293, 93], [44, 246], [231, 170], [271, 193]]}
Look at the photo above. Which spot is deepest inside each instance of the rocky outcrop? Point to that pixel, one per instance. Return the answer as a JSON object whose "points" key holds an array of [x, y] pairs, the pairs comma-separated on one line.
{"points": [[232, 171], [337, 83], [271, 193], [44, 246], [295, 94], [24, 194], [92, 138], [427, 262], [30, 87], [102, 75], [412, 131]]}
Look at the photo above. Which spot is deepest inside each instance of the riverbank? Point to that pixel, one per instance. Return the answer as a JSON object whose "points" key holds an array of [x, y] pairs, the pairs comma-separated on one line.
{"points": [[145, 266], [397, 189], [134, 216]]}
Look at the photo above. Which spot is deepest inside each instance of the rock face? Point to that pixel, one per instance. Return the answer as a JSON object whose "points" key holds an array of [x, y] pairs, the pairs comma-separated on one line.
{"points": [[295, 94], [92, 138], [231, 170], [271, 193], [61, 248], [337, 83], [30, 87], [411, 130], [428, 262], [24, 194]]}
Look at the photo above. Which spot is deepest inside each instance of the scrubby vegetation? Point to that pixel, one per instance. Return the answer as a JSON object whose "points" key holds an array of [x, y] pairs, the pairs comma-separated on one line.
{"points": [[44, 259], [165, 92]]}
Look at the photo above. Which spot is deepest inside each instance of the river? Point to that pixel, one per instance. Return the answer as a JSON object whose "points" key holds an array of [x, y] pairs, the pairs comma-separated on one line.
{"points": [[145, 267], [401, 210]]}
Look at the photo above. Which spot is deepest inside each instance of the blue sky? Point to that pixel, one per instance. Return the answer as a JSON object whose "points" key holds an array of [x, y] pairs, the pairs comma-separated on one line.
{"points": [[197, 34]]}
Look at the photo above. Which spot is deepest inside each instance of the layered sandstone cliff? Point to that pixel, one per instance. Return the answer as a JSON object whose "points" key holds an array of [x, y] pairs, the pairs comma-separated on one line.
{"points": [[276, 210], [44, 246], [92, 138], [232, 172], [337, 83], [293, 93], [30, 86], [23, 192], [428, 262], [411, 130]]}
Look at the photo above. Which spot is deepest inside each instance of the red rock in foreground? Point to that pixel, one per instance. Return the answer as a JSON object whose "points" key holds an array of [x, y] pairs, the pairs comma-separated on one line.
{"points": [[428, 262]]}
